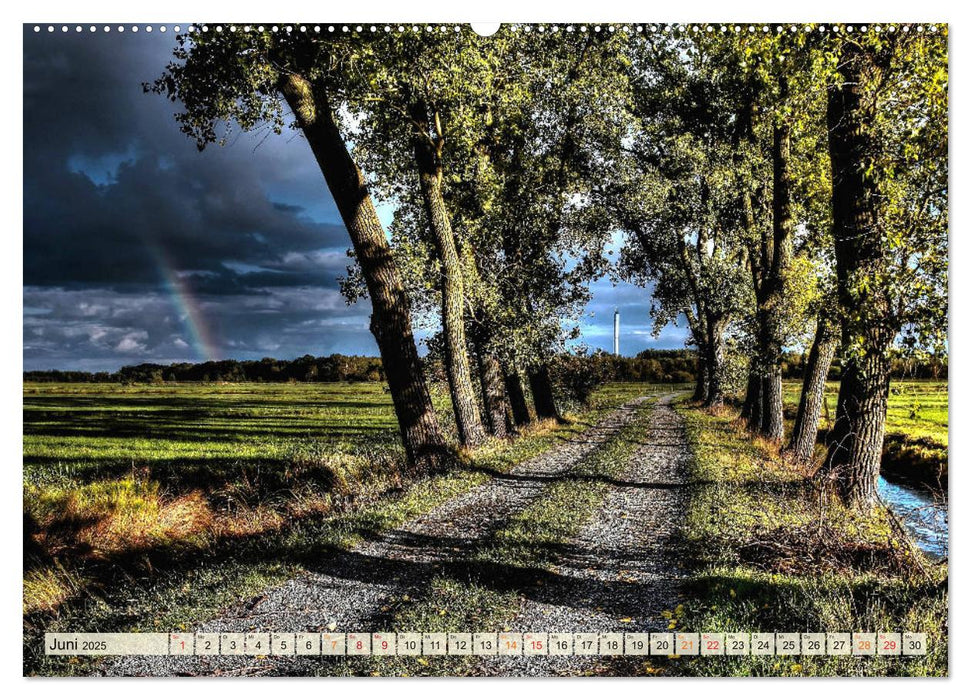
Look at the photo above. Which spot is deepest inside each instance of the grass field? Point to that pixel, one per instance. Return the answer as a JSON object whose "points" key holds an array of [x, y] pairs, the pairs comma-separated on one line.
{"points": [[917, 409], [73, 429], [111, 470], [148, 507]]}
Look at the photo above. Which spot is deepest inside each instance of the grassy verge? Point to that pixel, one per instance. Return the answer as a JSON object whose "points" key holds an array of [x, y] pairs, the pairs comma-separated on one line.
{"points": [[772, 554], [170, 584]]}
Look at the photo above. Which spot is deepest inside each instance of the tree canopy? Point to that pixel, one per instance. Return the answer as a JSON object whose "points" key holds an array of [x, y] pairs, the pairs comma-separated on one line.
{"points": [[774, 187]]}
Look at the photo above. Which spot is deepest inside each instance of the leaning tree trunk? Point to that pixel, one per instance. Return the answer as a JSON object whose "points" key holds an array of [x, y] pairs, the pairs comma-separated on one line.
{"points": [[699, 338], [806, 428], [517, 398], [855, 442], [423, 441], [541, 387], [467, 417]]}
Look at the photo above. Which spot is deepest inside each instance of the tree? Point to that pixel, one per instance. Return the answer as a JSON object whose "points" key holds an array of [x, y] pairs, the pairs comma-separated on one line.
{"points": [[776, 139], [521, 133], [806, 427], [887, 120], [820, 304], [245, 78], [546, 145], [676, 199], [413, 103]]}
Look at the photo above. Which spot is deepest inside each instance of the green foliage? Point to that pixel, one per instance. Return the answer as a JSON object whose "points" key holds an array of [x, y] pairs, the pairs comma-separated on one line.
{"points": [[692, 187], [673, 190], [578, 375], [550, 142], [903, 81]]}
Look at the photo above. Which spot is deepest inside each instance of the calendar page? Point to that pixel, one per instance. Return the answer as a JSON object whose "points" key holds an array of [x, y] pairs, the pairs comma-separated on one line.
{"points": [[537, 349]]}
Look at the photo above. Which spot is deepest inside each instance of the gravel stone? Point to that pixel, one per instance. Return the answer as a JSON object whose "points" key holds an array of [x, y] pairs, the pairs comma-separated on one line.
{"points": [[347, 591], [621, 570]]}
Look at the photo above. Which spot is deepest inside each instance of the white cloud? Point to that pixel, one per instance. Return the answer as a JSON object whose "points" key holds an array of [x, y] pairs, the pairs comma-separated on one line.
{"points": [[132, 342]]}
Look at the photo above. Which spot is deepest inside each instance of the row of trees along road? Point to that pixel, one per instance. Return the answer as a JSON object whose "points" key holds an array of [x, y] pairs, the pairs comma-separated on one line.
{"points": [[774, 187]]}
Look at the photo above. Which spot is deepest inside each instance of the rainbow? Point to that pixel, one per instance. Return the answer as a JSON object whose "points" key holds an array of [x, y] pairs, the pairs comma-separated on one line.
{"points": [[187, 307]]}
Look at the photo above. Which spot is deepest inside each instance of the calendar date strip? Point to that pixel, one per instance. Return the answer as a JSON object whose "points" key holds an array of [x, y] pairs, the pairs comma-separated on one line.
{"points": [[487, 644]]}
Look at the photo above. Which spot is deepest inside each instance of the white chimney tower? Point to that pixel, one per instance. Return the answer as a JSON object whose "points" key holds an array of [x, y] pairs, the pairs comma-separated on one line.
{"points": [[616, 332]]}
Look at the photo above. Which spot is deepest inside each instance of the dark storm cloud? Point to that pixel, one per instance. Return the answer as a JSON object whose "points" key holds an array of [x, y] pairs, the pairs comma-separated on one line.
{"points": [[110, 179], [191, 216], [118, 202], [136, 245]]}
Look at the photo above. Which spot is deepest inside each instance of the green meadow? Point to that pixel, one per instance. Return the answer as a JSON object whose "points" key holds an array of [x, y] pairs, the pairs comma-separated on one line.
{"points": [[114, 474], [916, 409], [78, 428]]}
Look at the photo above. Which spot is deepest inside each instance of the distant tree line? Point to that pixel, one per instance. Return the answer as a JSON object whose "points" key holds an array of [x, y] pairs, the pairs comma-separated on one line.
{"points": [[330, 368], [902, 366], [571, 372]]}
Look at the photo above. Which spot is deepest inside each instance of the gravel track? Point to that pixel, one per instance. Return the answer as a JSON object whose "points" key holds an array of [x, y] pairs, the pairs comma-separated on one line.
{"points": [[620, 572], [347, 591]]}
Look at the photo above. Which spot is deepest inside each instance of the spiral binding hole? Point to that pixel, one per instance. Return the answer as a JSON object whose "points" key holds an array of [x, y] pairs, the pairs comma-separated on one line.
{"points": [[600, 29]]}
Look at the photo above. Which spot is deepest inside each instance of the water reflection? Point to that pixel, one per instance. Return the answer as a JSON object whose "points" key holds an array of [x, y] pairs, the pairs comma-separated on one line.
{"points": [[924, 517]]}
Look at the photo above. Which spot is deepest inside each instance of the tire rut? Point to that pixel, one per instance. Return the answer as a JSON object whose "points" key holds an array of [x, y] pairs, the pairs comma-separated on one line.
{"points": [[620, 572], [348, 591]]}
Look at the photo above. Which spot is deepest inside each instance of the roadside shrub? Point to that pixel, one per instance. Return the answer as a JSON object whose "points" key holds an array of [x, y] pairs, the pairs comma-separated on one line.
{"points": [[578, 375]]}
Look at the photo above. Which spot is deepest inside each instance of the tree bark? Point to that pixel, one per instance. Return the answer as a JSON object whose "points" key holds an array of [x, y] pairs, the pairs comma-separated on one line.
{"points": [[757, 389], [424, 443], [771, 304], [542, 389], [701, 379], [517, 398], [493, 391], [855, 442], [772, 426], [752, 392], [769, 276], [806, 428], [715, 363], [467, 417], [702, 334]]}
